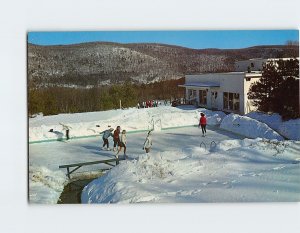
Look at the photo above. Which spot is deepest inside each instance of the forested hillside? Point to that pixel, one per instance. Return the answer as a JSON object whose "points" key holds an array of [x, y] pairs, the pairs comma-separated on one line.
{"points": [[95, 76], [95, 64]]}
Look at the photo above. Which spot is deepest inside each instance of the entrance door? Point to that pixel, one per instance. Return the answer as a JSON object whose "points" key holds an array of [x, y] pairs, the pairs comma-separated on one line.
{"points": [[214, 98]]}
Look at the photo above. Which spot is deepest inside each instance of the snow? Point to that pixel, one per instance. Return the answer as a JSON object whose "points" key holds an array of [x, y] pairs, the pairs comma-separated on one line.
{"points": [[237, 171], [272, 120], [45, 185], [289, 129], [84, 124], [182, 166], [52, 155], [248, 127]]}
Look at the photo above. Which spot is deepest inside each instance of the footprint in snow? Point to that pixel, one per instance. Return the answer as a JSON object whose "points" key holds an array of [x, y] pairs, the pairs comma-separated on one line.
{"points": [[278, 168], [196, 191]]}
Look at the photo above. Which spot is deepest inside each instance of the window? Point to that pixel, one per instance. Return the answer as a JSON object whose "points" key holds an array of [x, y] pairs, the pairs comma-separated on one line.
{"points": [[236, 101], [202, 97], [225, 100], [192, 94], [231, 101]]}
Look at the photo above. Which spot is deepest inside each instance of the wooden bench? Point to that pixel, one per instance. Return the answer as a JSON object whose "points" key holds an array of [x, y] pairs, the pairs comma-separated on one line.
{"points": [[79, 165]]}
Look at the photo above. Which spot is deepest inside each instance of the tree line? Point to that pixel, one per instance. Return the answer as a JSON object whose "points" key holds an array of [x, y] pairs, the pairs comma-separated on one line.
{"points": [[55, 100]]}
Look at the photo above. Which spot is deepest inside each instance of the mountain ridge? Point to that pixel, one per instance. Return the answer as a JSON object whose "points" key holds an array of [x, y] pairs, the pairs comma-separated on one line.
{"points": [[104, 63]]}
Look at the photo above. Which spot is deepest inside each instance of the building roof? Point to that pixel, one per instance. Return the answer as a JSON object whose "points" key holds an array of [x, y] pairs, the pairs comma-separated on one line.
{"points": [[201, 84]]}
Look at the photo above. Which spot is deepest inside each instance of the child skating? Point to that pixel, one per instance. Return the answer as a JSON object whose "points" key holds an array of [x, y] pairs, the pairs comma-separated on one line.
{"points": [[106, 134], [148, 143]]}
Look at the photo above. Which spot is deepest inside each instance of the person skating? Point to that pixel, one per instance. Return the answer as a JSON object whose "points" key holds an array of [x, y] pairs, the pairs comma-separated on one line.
{"points": [[148, 143], [122, 144], [116, 137], [67, 129], [106, 134], [202, 123]]}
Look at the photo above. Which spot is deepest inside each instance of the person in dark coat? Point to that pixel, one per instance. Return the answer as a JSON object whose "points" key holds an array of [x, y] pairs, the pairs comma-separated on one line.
{"points": [[117, 137], [202, 123]]}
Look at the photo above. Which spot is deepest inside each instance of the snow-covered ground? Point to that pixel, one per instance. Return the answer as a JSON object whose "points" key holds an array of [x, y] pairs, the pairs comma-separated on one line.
{"points": [[235, 171], [177, 169]]}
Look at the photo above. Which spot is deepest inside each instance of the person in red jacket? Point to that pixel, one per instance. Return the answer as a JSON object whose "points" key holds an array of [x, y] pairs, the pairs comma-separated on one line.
{"points": [[202, 123]]}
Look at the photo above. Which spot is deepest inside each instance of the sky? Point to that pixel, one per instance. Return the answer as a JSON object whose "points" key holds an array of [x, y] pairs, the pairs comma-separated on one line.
{"points": [[223, 39]]}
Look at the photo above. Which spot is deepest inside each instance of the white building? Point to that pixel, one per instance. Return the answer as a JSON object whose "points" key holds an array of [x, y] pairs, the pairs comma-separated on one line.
{"points": [[221, 91], [227, 92], [254, 64]]}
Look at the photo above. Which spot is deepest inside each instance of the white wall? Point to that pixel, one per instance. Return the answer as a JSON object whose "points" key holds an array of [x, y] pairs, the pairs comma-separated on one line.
{"points": [[247, 85], [229, 82]]}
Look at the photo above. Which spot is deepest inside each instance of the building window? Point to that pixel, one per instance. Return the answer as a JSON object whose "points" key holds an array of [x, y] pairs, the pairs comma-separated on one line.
{"points": [[192, 94], [202, 97], [231, 101], [225, 100], [236, 102]]}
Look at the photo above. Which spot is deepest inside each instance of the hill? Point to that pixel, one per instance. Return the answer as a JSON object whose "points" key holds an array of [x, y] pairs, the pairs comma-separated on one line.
{"points": [[102, 63]]}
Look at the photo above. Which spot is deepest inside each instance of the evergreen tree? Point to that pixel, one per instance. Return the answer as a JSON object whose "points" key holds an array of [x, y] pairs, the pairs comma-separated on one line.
{"points": [[278, 88]]}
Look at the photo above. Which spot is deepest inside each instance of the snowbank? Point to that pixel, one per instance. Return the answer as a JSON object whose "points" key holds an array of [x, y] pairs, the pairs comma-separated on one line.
{"points": [[238, 170], [272, 120], [143, 179], [248, 127], [132, 120], [289, 129], [46, 183]]}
